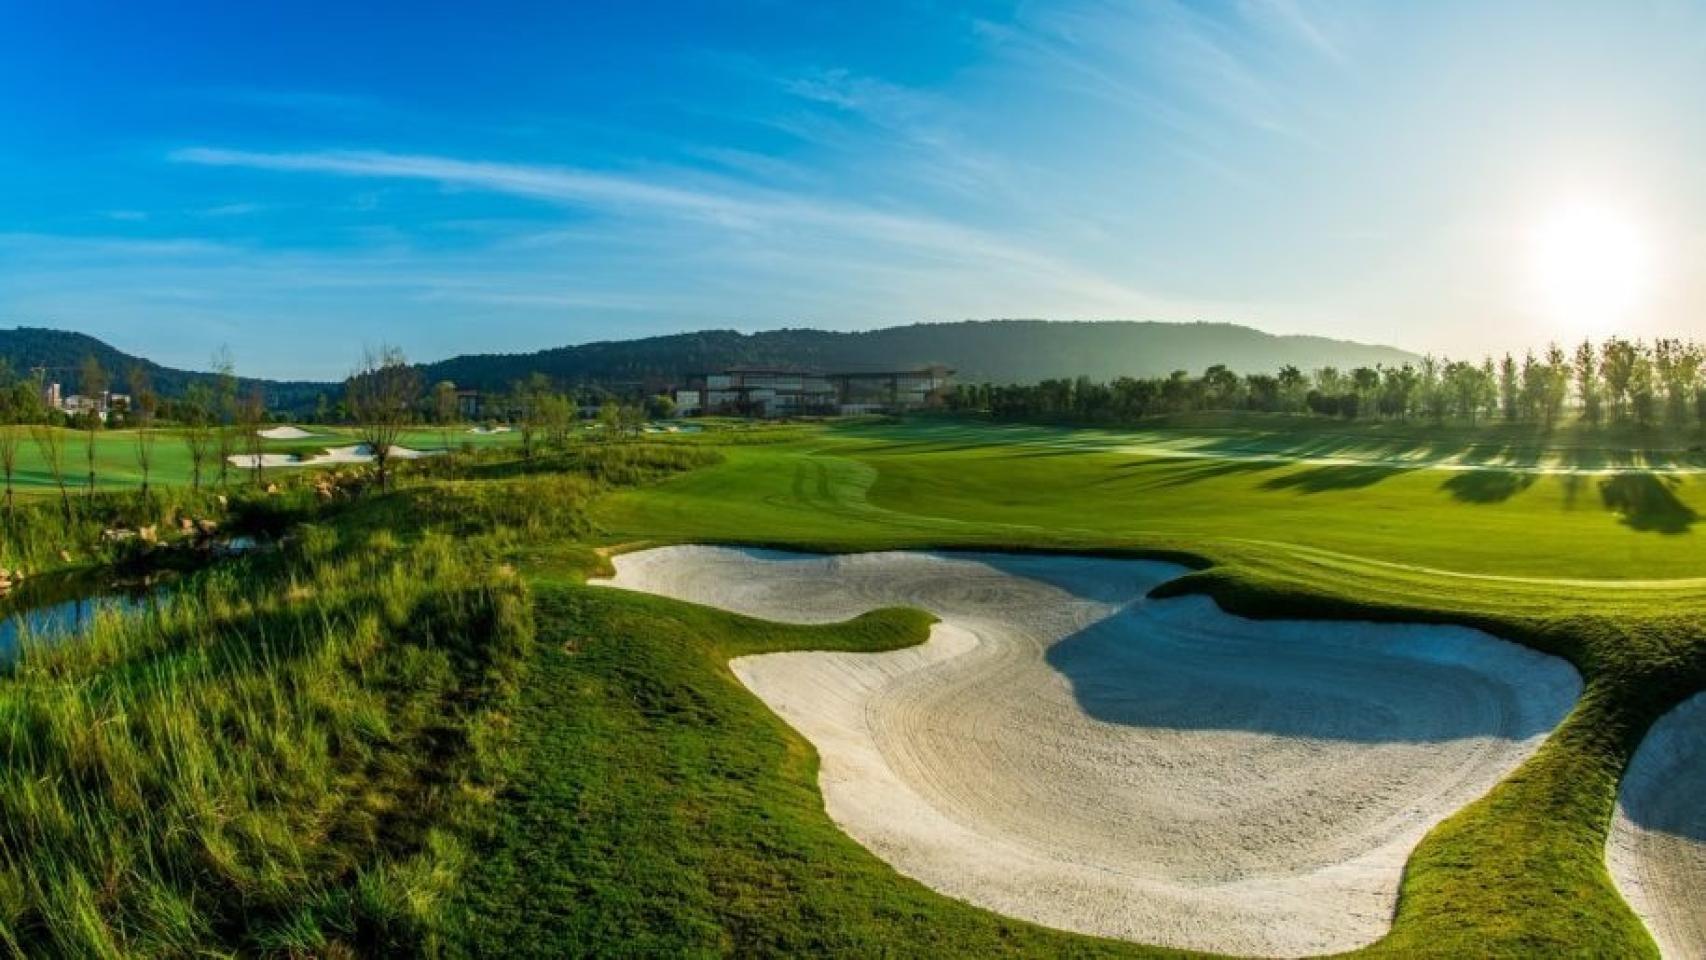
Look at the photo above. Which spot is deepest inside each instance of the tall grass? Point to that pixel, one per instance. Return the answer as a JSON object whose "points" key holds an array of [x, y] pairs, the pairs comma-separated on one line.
{"points": [[40, 533], [289, 753], [270, 761]]}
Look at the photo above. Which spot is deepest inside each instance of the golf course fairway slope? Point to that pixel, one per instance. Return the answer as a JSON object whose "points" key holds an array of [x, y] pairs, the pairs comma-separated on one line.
{"points": [[1065, 751], [1657, 852]]}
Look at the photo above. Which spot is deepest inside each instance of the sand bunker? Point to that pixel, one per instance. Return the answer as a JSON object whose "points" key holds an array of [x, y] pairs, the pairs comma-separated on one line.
{"points": [[1065, 751], [284, 433], [356, 453], [1657, 851]]}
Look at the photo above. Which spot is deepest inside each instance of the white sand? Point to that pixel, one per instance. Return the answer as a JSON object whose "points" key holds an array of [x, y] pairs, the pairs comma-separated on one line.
{"points": [[1064, 751], [488, 431], [355, 453], [1657, 850], [284, 433], [247, 461]]}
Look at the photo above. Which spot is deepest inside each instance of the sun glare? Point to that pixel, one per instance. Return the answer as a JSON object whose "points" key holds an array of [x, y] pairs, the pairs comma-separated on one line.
{"points": [[1591, 267]]}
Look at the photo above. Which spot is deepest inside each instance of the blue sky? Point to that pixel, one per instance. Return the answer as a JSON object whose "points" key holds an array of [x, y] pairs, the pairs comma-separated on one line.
{"points": [[499, 177]]}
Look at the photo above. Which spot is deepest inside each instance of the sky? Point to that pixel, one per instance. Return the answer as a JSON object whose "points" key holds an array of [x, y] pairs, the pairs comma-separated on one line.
{"points": [[296, 181]]}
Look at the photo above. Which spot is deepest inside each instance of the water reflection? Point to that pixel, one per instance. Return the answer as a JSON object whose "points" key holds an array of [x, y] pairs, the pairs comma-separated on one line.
{"points": [[53, 611]]}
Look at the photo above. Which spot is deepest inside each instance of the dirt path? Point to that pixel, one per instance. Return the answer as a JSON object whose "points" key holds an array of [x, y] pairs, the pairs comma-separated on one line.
{"points": [[1657, 851], [1064, 751]]}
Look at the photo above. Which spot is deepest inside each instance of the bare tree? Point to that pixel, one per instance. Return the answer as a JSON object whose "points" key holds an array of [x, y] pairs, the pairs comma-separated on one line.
{"points": [[380, 394], [18, 405], [251, 413], [50, 443], [530, 396], [95, 384], [198, 428], [447, 412], [224, 409], [610, 419], [143, 404]]}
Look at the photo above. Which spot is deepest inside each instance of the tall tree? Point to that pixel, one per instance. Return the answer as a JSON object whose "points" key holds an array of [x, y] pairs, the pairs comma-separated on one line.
{"points": [[1587, 380], [198, 422], [1367, 381], [1643, 393], [530, 399], [49, 441], [251, 415], [610, 419], [144, 402], [1557, 385], [1508, 387], [446, 412], [381, 392], [1616, 370], [95, 385], [224, 409], [1292, 387], [16, 408]]}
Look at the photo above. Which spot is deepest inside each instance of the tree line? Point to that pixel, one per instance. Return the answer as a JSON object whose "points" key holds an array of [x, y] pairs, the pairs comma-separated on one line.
{"points": [[1617, 380]]}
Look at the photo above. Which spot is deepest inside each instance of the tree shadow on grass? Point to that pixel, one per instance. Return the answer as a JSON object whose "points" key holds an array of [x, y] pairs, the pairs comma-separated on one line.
{"points": [[1488, 486], [1647, 502], [1329, 478], [1215, 469]]}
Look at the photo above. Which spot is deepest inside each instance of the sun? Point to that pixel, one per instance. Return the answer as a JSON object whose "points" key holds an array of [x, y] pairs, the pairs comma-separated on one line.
{"points": [[1591, 267]]}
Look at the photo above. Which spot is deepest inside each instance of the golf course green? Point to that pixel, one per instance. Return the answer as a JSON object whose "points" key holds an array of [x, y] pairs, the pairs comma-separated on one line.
{"points": [[547, 767], [1586, 552]]}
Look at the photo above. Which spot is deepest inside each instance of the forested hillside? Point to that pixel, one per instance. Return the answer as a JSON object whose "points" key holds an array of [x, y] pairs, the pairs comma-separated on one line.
{"points": [[994, 351], [60, 354], [997, 351]]}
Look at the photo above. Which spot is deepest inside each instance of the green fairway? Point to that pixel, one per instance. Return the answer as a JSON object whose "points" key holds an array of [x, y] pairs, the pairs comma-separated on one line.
{"points": [[116, 465], [936, 484]]}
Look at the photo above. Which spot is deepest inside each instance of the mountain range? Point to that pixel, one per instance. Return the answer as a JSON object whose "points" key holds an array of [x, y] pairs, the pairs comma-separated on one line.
{"points": [[998, 351]]}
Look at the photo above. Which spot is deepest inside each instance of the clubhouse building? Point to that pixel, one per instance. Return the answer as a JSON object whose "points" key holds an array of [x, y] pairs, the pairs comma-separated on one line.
{"points": [[770, 392]]}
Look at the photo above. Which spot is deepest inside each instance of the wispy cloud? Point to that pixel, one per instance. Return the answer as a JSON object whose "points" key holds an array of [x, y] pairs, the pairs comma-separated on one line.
{"points": [[933, 149], [1291, 15], [232, 210], [730, 208]]}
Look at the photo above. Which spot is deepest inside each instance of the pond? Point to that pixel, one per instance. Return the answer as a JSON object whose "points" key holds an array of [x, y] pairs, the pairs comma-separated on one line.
{"points": [[54, 609]]}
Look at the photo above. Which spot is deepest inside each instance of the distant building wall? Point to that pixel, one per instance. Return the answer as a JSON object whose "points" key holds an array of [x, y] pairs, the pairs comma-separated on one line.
{"points": [[782, 393]]}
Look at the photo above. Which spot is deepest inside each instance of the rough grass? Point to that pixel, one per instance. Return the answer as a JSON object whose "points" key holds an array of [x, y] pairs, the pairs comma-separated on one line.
{"points": [[265, 764], [294, 753]]}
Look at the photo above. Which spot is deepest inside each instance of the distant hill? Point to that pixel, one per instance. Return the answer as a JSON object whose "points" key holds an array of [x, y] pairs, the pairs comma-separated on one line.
{"points": [[1000, 351], [61, 353]]}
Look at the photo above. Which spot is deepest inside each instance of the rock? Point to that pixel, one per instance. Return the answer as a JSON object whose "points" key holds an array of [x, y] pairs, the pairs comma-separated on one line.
{"points": [[148, 534], [117, 535]]}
